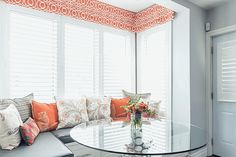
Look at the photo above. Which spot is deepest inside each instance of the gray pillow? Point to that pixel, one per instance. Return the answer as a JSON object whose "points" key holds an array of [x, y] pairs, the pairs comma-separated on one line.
{"points": [[23, 105], [145, 96]]}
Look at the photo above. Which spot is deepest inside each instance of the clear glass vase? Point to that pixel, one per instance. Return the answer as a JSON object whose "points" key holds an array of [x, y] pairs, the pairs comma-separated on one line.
{"points": [[136, 127]]}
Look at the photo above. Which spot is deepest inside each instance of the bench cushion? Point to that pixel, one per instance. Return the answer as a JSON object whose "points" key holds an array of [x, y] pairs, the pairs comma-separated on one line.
{"points": [[63, 135], [45, 145]]}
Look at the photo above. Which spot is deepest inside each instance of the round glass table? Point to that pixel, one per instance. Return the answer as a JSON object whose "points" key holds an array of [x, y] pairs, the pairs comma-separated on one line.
{"points": [[159, 137]]}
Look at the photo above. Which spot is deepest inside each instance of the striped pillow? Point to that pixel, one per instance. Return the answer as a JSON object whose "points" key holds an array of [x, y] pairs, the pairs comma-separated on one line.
{"points": [[23, 105]]}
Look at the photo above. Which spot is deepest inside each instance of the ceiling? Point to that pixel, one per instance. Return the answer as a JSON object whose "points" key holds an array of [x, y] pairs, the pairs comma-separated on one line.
{"points": [[131, 5], [208, 4]]}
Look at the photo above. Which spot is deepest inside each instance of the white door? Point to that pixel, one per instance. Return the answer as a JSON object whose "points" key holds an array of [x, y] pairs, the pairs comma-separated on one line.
{"points": [[224, 95]]}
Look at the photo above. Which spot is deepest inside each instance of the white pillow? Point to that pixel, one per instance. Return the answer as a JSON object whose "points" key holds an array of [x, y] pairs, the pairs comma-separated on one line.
{"points": [[71, 112], [10, 122], [99, 108], [155, 106], [144, 96]]}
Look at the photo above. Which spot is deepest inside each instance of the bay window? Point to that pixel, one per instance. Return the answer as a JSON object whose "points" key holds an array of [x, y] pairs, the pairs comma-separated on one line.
{"points": [[54, 55]]}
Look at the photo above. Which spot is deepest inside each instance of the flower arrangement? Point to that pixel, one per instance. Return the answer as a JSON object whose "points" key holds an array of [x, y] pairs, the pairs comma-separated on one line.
{"points": [[137, 109]]}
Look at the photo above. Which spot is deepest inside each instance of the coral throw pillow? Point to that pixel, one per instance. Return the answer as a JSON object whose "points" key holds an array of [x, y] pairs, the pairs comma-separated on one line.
{"points": [[29, 131], [116, 108], [45, 115]]}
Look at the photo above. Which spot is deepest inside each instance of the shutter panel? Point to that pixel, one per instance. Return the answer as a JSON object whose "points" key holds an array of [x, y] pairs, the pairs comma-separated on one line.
{"points": [[117, 66], [154, 72], [81, 61], [227, 71], [33, 56]]}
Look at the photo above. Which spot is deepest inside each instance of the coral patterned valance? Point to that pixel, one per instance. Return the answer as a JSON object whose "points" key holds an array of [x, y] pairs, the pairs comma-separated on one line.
{"points": [[102, 13]]}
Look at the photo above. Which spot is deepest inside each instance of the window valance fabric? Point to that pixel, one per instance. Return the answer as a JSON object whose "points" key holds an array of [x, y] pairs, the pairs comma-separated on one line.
{"points": [[102, 13]]}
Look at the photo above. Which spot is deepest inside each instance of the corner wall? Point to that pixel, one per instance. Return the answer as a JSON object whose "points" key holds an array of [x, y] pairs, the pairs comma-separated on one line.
{"points": [[197, 63]]}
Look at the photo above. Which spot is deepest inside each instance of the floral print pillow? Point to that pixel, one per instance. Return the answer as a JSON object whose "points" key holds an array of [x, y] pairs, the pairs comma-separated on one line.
{"points": [[71, 112], [99, 108]]}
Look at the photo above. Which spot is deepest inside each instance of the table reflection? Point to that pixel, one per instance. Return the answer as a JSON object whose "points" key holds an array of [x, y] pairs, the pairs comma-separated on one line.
{"points": [[158, 138]]}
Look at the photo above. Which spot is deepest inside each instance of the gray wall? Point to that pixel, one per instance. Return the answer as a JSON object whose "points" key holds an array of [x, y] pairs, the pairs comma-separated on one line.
{"points": [[197, 63], [222, 16]]}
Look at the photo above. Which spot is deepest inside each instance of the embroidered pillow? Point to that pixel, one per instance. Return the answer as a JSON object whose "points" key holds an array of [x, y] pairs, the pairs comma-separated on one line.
{"points": [[45, 115], [10, 122], [29, 131], [145, 96], [98, 108], [71, 112], [117, 111]]}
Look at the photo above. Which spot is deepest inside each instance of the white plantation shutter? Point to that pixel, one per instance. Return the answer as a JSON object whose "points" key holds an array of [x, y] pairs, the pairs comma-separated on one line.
{"points": [[117, 66], [81, 61], [154, 64], [154, 72], [226, 79], [33, 56]]}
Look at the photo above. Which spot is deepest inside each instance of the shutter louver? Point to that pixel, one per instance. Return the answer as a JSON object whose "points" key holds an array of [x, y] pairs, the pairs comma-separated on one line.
{"points": [[227, 72], [33, 56]]}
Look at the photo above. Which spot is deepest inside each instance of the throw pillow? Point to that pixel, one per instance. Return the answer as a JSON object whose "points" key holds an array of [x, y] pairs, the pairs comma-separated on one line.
{"points": [[45, 115], [71, 112], [144, 96], [23, 105], [117, 111], [10, 122], [98, 108], [29, 131], [154, 106]]}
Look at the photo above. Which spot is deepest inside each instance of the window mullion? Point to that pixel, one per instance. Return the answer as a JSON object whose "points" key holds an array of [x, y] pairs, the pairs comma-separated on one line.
{"points": [[4, 55], [101, 63], [61, 58]]}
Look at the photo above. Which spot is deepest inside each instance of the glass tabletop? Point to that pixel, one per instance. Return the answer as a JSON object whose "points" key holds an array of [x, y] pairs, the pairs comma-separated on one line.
{"points": [[159, 137]]}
